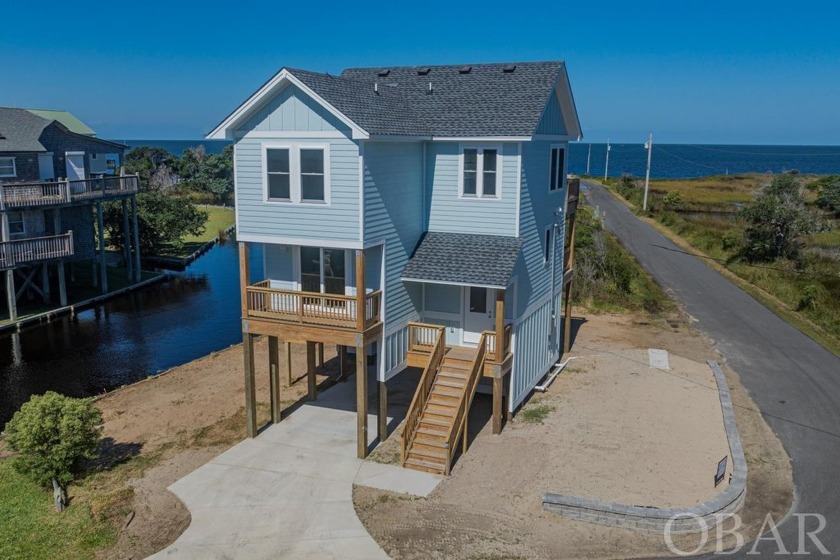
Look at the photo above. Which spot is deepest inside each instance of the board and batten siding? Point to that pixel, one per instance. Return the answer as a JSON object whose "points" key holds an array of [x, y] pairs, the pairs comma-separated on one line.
{"points": [[292, 110], [537, 346], [319, 224], [448, 212], [393, 174], [552, 119]]}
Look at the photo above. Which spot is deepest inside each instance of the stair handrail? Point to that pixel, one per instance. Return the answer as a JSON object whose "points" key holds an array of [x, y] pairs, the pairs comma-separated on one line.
{"points": [[460, 424], [424, 388]]}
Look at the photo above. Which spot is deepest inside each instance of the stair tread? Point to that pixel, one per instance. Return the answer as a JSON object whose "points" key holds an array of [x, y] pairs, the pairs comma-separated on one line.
{"points": [[423, 439], [446, 391], [424, 463], [435, 422], [441, 409], [452, 384], [429, 433], [427, 454], [452, 374]]}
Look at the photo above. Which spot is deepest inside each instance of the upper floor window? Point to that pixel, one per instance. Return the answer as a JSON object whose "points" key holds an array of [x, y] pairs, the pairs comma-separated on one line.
{"points": [[16, 223], [480, 173], [297, 173], [7, 167], [547, 248], [558, 165]]}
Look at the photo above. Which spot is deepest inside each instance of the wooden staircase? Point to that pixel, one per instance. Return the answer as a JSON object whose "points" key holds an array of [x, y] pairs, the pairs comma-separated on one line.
{"points": [[438, 415]]}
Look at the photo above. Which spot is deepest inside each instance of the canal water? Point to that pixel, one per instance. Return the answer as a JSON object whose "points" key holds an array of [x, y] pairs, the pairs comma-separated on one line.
{"points": [[142, 333]]}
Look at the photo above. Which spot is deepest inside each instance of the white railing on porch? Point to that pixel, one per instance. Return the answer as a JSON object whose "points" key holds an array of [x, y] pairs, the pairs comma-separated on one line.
{"points": [[31, 250], [47, 193]]}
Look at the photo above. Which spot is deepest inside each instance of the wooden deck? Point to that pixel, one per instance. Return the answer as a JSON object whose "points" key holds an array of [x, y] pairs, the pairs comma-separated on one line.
{"points": [[35, 250], [56, 193]]}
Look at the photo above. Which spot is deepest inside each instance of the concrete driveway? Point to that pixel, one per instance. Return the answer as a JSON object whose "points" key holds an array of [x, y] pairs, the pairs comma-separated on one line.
{"points": [[289, 492]]}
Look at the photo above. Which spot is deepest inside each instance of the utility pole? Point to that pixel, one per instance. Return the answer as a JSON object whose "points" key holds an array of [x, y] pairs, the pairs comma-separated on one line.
{"points": [[607, 165], [588, 157], [649, 146]]}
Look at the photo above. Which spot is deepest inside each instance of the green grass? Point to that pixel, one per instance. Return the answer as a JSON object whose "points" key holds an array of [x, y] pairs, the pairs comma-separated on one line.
{"points": [[535, 413], [780, 285], [31, 529], [219, 218]]}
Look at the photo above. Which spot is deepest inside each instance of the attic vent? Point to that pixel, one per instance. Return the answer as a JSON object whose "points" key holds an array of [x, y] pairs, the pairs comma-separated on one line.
{"points": [[424, 71], [464, 69], [384, 72], [509, 68]]}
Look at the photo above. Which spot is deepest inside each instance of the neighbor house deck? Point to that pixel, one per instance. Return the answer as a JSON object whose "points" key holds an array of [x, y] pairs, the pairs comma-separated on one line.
{"points": [[39, 194]]}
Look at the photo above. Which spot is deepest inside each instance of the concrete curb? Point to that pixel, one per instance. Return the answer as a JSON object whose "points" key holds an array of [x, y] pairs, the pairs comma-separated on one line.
{"points": [[680, 520]]}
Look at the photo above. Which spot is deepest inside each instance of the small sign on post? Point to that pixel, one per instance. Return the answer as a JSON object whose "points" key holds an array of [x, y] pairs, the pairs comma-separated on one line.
{"points": [[721, 470]]}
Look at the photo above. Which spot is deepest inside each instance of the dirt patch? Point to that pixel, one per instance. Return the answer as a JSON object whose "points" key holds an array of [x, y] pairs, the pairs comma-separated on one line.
{"points": [[491, 505], [177, 422]]}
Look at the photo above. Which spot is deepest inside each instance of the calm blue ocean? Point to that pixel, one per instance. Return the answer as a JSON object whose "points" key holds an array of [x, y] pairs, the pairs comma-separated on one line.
{"points": [[668, 160]]}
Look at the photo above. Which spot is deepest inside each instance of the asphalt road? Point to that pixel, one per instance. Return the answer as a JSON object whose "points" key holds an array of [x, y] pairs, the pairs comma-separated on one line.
{"points": [[794, 381]]}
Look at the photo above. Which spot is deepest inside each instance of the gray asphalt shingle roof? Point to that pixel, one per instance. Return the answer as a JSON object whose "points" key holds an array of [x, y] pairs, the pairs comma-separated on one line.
{"points": [[461, 258], [20, 130], [485, 101]]}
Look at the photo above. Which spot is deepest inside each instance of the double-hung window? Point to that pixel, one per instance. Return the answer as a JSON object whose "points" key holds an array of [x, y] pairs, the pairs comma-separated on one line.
{"points": [[297, 174], [558, 165], [480, 175], [16, 223], [7, 167]]}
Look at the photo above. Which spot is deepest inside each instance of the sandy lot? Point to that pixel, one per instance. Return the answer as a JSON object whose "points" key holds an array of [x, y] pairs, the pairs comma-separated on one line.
{"points": [[609, 428], [180, 420]]}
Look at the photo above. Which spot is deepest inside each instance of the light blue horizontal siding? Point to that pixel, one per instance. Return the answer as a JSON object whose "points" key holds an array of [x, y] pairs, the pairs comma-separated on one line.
{"points": [[536, 350], [293, 110], [447, 212], [394, 214], [443, 298], [537, 211], [552, 119], [338, 221], [279, 266]]}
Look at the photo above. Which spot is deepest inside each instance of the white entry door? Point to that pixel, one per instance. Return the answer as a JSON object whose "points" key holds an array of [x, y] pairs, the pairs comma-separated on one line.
{"points": [[46, 170], [479, 313], [75, 171]]}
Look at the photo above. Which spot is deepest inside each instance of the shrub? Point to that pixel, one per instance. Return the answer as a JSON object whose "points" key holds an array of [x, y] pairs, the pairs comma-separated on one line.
{"points": [[53, 433], [810, 296], [162, 219], [674, 199], [731, 240], [829, 194]]}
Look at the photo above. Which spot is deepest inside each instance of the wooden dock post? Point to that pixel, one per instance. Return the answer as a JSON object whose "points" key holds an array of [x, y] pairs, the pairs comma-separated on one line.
{"points": [[274, 377], [126, 240], [361, 402], [136, 233], [103, 266], [62, 285]]}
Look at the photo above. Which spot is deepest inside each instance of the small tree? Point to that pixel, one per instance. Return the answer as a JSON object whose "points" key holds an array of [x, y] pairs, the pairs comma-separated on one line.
{"points": [[829, 194], [162, 219], [777, 220], [53, 433]]}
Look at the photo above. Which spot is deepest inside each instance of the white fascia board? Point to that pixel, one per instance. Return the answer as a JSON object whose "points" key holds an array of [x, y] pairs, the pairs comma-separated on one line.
{"points": [[567, 105], [421, 281], [224, 131], [304, 242], [481, 138]]}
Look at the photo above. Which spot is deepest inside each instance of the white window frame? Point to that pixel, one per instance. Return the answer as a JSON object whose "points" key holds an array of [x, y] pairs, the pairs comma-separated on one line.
{"points": [[14, 166], [479, 180], [295, 172], [561, 180], [22, 221]]}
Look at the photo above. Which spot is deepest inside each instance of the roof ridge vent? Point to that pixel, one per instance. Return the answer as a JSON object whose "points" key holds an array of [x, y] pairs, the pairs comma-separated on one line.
{"points": [[384, 72], [464, 69], [509, 68]]}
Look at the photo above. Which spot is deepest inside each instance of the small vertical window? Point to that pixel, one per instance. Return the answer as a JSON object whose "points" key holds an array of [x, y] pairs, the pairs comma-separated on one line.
{"points": [[312, 175], [470, 172], [7, 167], [547, 251], [16, 224], [489, 178], [558, 163], [478, 300], [279, 174]]}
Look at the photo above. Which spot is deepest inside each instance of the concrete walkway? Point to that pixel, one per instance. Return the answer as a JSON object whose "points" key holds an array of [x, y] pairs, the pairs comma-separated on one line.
{"points": [[289, 492]]}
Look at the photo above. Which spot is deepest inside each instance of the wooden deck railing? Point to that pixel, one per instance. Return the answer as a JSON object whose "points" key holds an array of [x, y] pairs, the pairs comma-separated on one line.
{"points": [[431, 338], [461, 422], [490, 339], [289, 306], [48, 193], [35, 249]]}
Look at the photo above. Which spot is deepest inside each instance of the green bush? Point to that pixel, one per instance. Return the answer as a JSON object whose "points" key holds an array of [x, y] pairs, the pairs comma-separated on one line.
{"points": [[732, 241], [674, 199], [53, 434], [810, 297]]}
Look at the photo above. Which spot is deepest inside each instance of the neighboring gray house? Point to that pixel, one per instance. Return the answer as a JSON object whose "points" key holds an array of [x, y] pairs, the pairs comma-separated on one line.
{"points": [[415, 214], [53, 173]]}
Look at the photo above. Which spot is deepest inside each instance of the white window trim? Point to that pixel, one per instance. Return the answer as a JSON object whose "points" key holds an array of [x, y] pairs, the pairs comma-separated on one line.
{"points": [[14, 167], [562, 179], [22, 222], [294, 172], [479, 180]]}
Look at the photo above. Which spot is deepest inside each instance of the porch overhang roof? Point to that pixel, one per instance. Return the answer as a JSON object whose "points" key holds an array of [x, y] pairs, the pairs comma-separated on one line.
{"points": [[463, 259]]}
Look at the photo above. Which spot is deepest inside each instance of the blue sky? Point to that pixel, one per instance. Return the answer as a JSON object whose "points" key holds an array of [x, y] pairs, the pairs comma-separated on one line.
{"points": [[711, 72]]}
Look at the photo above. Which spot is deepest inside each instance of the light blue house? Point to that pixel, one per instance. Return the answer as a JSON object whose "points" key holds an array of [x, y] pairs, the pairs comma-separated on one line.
{"points": [[416, 216]]}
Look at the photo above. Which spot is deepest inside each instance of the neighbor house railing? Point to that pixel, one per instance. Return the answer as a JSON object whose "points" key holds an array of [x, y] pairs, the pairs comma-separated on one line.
{"points": [[311, 308], [422, 338], [35, 249], [48, 193]]}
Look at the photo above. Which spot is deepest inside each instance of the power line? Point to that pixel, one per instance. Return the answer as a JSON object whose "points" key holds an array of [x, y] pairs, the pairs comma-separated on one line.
{"points": [[659, 149], [758, 153]]}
